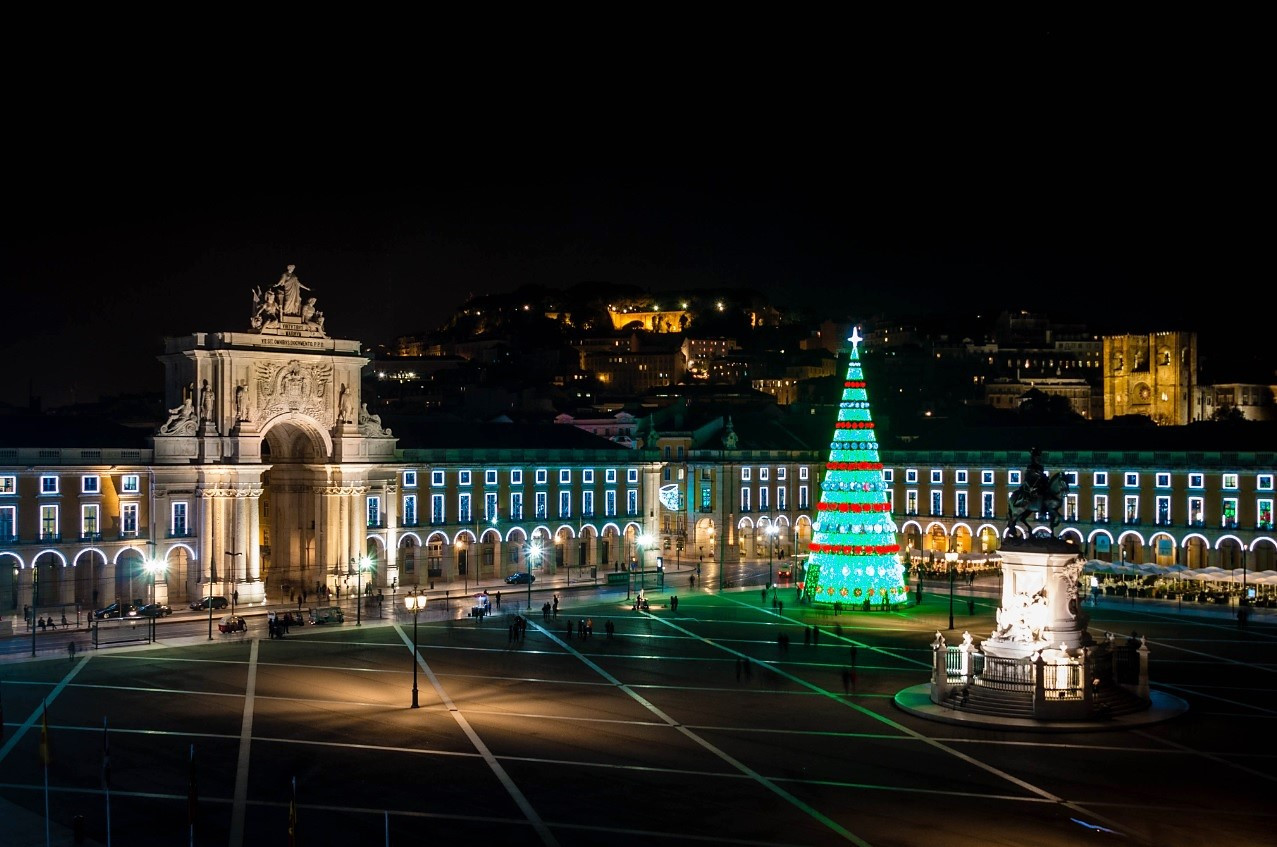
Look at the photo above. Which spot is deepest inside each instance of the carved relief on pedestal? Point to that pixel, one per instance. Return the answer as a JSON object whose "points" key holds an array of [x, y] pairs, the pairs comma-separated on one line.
{"points": [[294, 387]]}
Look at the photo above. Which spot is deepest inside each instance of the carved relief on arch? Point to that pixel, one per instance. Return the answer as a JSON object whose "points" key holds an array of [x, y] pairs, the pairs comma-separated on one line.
{"points": [[294, 387]]}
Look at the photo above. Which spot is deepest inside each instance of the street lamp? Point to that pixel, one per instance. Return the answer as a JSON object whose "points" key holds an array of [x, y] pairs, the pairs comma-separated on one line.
{"points": [[153, 567], [416, 604], [462, 564], [210, 595], [771, 541], [711, 534], [534, 552], [359, 600], [644, 540], [951, 559]]}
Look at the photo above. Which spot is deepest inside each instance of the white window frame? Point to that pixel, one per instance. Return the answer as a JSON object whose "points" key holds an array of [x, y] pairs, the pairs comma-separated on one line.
{"points": [[587, 476], [1014, 477], [127, 510], [1161, 480], [91, 513], [91, 484], [490, 476], [744, 500], [987, 478], [372, 511], [516, 505], [8, 484], [409, 479], [410, 513], [780, 474], [1225, 504], [1130, 479], [631, 475], [762, 475], [744, 474], [463, 478], [888, 475], [937, 476], [542, 476], [1197, 480], [1229, 482], [1101, 479], [131, 483], [516, 476], [185, 508], [437, 479], [49, 484], [1160, 502], [1196, 511], [565, 476], [609, 476], [911, 476], [49, 517], [802, 472], [1131, 508], [438, 509], [1100, 508], [9, 515], [959, 477], [1264, 482], [465, 507], [587, 504]]}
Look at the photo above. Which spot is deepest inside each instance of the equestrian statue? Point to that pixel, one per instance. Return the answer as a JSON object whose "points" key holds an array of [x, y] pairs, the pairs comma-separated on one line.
{"points": [[1037, 495]]}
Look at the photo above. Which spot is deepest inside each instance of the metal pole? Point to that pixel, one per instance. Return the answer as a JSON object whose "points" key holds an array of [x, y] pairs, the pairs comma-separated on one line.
{"points": [[529, 560], [210, 606], [415, 612], [359, 598], [950, 595]]}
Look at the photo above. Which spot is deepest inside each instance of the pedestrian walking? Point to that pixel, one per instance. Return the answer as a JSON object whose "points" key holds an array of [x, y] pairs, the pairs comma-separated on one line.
{"points": [[780, 607], [674, 602], [71, 650], [570, 628], [610, 627], [556, 606], [581, 630], [764, 595], [498, 599]]}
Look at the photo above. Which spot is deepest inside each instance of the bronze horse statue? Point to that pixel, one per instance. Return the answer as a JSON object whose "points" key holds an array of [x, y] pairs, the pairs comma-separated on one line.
{"points": [[1029, 500]]}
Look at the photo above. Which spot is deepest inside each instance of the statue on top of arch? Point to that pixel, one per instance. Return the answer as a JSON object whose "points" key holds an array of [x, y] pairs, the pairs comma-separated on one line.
{"points": [[280, 306]]}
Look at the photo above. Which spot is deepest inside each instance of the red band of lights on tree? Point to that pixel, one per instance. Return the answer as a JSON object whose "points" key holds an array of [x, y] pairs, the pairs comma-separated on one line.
{"points": [[854, 554]]}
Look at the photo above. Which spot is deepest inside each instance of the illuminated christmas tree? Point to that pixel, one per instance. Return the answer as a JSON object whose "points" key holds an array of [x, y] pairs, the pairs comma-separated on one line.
{"points": [[853, 551]]}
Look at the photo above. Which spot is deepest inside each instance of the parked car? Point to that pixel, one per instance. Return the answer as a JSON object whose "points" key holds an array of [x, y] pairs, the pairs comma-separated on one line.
{"points": [[153, 610], [327, 614], [520, 578], [115, 610], [217, 603], [232, 623], [784, 575]]}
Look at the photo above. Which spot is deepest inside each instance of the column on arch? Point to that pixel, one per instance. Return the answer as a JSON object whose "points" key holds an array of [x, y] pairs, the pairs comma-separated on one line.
{"points": [[253, 550], [208, 504]]}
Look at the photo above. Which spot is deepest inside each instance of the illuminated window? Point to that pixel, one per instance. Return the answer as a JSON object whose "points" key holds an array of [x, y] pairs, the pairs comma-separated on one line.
{"points": [[565, 476], [542, 505], [1196, 480], [986, 478], [1264, 482], [1131, 508], [91, 485], [130, 484], [1101, 479], [1229, 481], [177, 522], [436, 509], [587, 477], [490, 477], [436, 478], [888, 475], [937, 477], [1013, 477], [1196, 511], [128, 519], [911, 502], [8, 523], [744, 474], [1163, 511], [1101, 508], [911, 476], [802, 472], [986, 504], [409, 479], [410, 510], [542, 477], [463, 478], [1162, 480], [8, 485], [49, 522], [1131, 480], [610, 476], [48, 485], [516, 477], [89, 525], [463, 509], [780, 473], [516, 506], [960, 477], [1228, 519], [374, 511]]}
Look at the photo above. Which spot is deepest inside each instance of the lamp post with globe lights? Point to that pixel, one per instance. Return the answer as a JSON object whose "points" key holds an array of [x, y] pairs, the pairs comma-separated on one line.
{"points": [[416, 604]]}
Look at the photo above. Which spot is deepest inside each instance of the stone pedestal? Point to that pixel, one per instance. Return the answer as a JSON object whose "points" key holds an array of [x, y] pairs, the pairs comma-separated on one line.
{"points": [[1039, 609]]}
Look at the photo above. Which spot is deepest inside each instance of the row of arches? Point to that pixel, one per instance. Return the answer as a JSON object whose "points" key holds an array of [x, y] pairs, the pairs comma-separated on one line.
{"points": [[91, 577], [1161, 547]]}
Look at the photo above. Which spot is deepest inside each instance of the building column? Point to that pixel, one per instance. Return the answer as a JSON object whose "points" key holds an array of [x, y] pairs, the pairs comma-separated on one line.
{"points": [[207, 504], [253, 551]]}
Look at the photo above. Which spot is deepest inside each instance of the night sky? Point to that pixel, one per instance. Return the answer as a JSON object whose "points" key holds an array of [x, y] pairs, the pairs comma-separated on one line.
{"points": [[1079, 178]]}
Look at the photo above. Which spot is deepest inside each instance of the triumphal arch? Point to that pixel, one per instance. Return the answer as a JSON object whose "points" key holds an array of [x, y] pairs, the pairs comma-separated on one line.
{"points": [[270, 443]]}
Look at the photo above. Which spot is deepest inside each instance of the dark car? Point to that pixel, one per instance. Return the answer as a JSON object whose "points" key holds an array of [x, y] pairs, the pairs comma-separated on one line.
{"points": [[153, 610], [203, 605], [520, 578], [115, 610]]}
